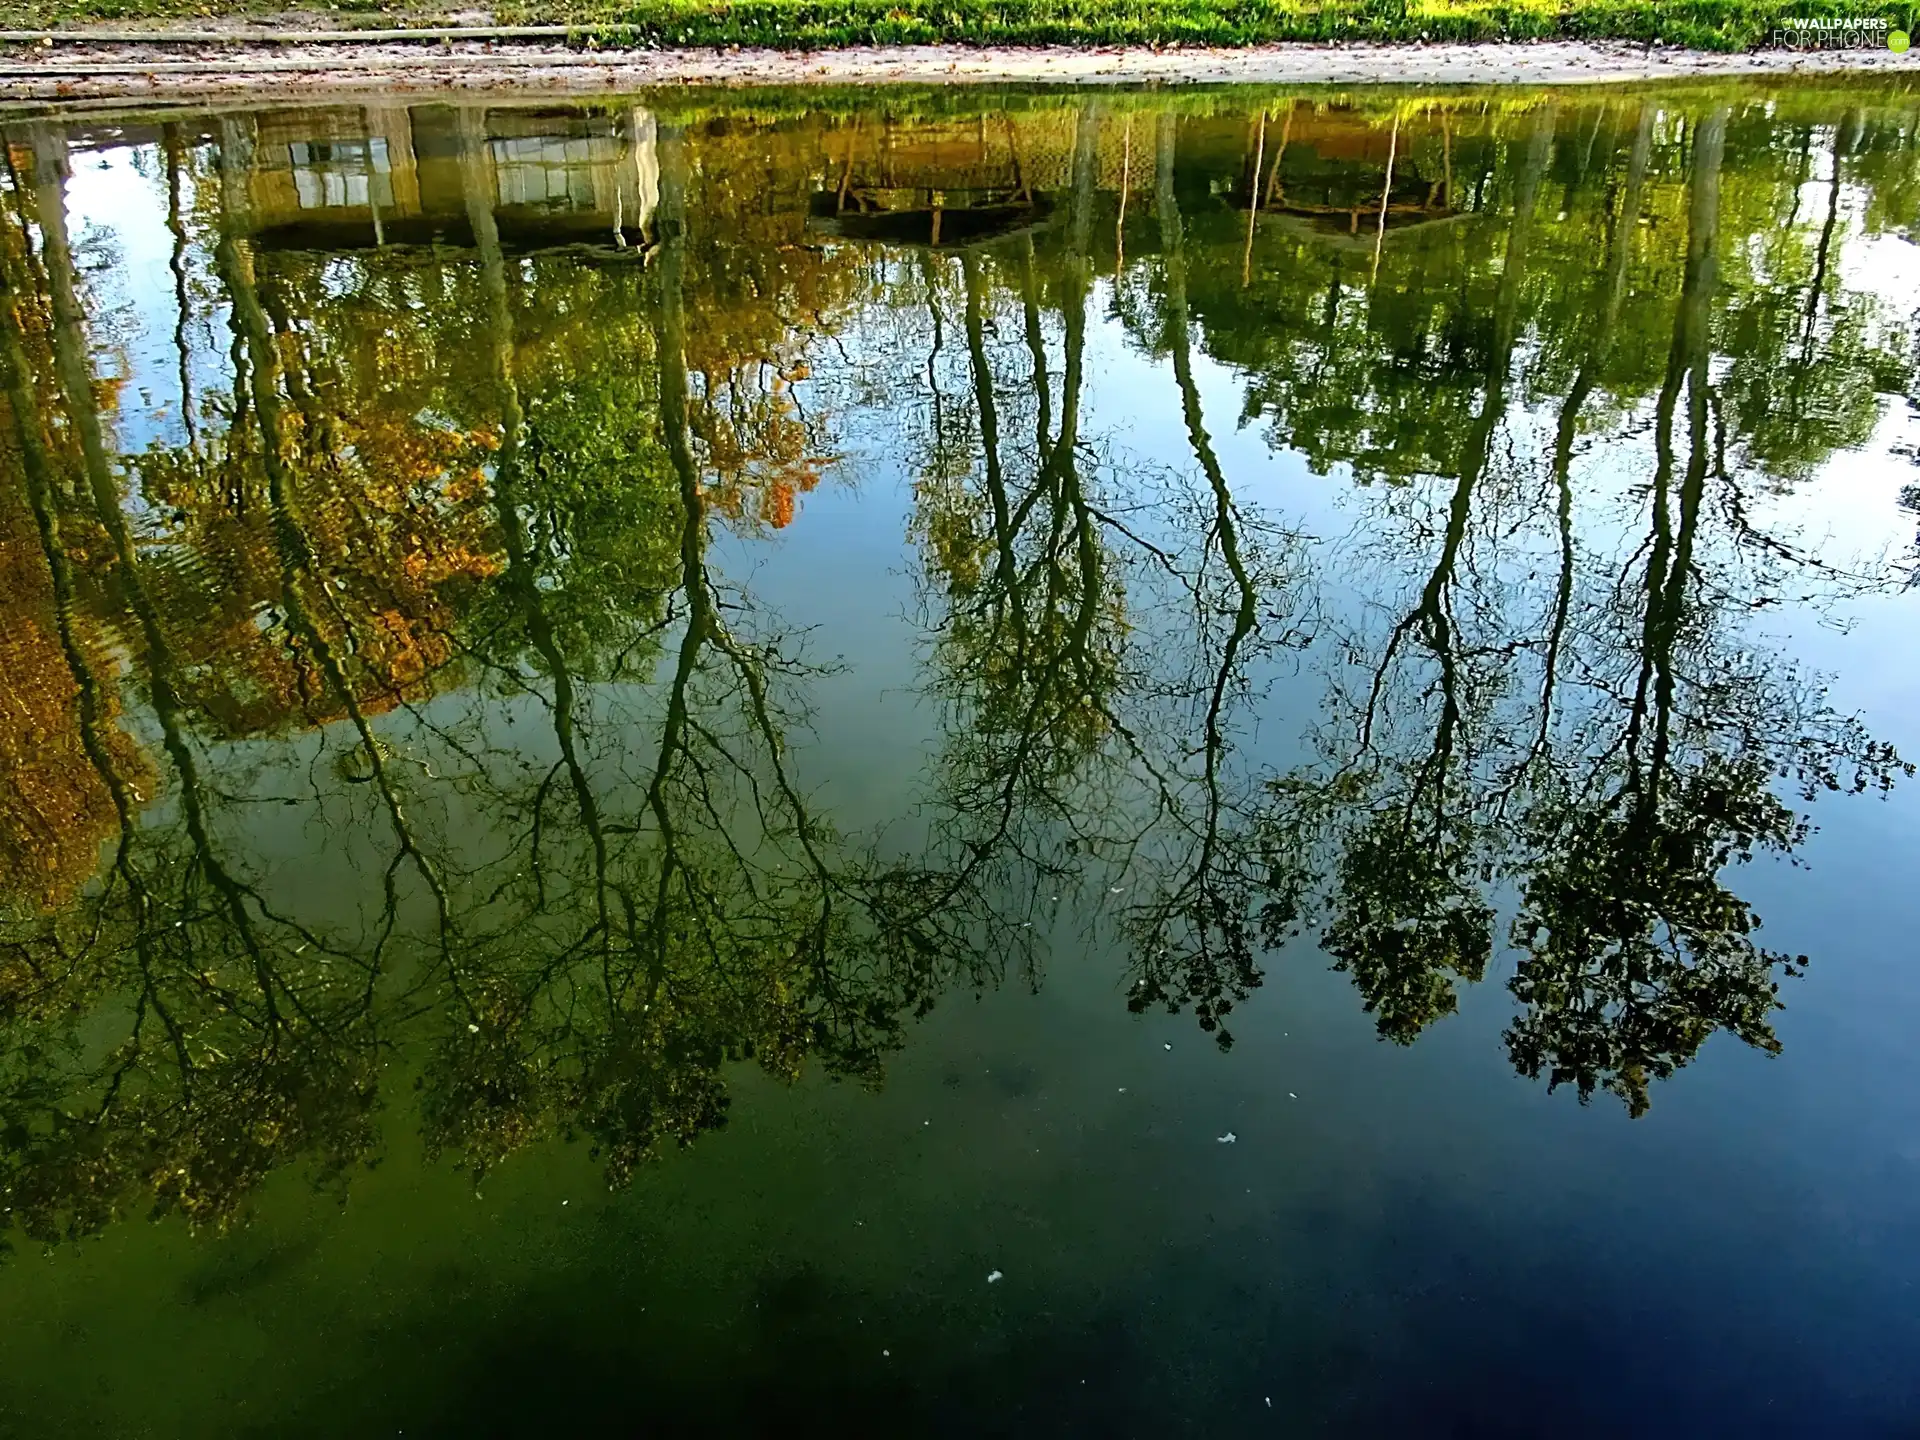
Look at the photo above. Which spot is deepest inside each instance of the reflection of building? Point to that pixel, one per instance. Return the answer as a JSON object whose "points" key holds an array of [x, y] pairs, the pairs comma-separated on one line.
{"points": [[1019, 151], [1328, 170], [939, 219], [347, 169], [1349, 177], [343, 178], [343, 173], [384, 174], [943, 183]]}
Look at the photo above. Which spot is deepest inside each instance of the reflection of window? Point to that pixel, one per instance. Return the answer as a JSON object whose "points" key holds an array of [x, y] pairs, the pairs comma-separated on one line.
{"points": [[338, 173], [548, 171]]}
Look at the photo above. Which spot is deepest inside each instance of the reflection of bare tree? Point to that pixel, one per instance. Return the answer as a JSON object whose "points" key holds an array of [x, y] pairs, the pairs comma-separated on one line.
{"points": [[1630, 802], [1407, 918], [260, 1015], [302, 590], [1194, 934], [594, 874], [174, 155], [1078, 740], [1636, 951], [596, 971], [1619, 245], [665, 921], [1030, 627]]}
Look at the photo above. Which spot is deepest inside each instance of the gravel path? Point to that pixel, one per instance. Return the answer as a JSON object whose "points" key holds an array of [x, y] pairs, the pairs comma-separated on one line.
{"points": [[123, 71]]}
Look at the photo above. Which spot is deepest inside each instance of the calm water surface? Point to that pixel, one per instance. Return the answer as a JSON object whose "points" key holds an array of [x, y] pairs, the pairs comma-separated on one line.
{"points": [[962, 763]]}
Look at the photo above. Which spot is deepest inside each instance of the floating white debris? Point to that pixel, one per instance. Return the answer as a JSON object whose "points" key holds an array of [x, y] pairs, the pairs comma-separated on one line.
{"points": [[994, 1277], [1228, 1138], [1292, 1096], [1166, 1047], [889, 1352]]}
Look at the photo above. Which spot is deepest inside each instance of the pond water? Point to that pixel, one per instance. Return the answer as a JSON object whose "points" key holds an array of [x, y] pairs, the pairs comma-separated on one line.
{"points": [[901, 762]]}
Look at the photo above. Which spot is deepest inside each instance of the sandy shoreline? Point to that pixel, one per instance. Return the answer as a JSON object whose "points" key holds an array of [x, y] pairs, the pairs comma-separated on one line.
{"points": [[145, 71]]}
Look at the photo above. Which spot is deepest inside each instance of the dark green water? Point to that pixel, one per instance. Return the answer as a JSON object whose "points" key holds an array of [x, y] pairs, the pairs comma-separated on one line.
{"points": [[962, 763]]}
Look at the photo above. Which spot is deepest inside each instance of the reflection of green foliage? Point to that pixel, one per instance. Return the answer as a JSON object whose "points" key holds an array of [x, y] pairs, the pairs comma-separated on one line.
{"points": [[1810, 363], [1378, 371], [1034, 621], [605, 521], [242, 1048], [1406, 923], [441, 551], [1636, 950], [593, 483]]}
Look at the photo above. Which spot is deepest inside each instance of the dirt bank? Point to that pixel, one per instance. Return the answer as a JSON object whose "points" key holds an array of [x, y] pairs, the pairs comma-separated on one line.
{"points": [[150, 71]]}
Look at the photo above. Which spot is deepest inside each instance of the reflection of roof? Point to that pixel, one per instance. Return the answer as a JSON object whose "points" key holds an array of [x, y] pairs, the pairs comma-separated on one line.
{"points": [[939, 219], [1342, 228], [1341, 134], [424, 235], [1032, 150]]}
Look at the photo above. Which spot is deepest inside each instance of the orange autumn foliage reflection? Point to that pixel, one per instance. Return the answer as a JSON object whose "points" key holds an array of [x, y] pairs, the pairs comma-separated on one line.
{"points": [[55, 809], [393, 527], [342, 590]]}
